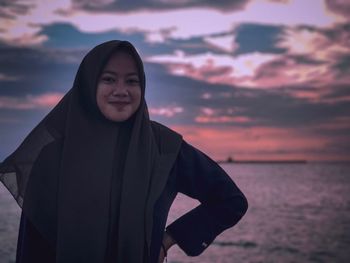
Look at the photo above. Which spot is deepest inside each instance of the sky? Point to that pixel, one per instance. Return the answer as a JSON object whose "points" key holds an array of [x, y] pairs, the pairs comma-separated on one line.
{"points": [[254, 80]]}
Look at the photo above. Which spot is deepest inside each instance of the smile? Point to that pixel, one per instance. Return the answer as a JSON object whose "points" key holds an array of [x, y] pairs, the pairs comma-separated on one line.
{"points": [[119, 103]]}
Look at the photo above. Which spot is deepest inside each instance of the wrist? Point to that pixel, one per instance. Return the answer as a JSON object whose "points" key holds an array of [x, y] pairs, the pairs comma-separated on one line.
{"points": [[168, 241]]}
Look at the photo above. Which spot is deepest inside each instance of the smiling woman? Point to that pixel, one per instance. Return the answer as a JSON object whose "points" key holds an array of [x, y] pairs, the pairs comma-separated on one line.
{"points": [[96, 177], [118, 90]]}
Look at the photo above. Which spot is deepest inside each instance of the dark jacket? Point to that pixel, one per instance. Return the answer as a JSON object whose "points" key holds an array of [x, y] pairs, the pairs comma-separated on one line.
{"points": [[195, 175]]}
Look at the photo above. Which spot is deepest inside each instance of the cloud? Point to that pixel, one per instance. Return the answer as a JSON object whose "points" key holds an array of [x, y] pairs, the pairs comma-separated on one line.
{"points": [[65, 36], [5, 77], [278, 109], [324, 45], [221, 116], [10, 9], [180, 20], [165, 111], [260, 143], [214, 68], [337, 94], [221, 119], [24, 29], [224, 42], [157, 27], [160, 26], [289, 106], [48, 100], [289, 71], [301, 55], [155, 5], [220, 105], [274, 108], [310, 57], [269, 79], [260, 38], [180, 23], [276, 13], [341, 7], [316, 57], [35, 71]]}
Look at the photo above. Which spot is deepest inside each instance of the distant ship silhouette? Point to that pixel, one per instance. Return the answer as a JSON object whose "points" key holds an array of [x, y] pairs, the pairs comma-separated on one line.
{"points": [[231, 160]]}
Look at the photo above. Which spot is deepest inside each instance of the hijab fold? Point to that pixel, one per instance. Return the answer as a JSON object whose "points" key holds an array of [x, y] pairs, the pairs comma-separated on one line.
{"points": [[110, 174]]}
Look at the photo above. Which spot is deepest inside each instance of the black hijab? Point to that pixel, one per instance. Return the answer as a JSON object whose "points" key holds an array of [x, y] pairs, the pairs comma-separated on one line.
{"points": [[110, 174]]}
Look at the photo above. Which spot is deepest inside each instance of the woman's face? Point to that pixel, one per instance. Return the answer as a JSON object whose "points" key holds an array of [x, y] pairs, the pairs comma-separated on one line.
{"points": [[118, 92]]}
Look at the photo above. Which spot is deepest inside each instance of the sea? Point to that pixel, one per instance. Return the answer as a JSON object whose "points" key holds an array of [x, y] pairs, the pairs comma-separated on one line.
{"points": [[298, 212]]}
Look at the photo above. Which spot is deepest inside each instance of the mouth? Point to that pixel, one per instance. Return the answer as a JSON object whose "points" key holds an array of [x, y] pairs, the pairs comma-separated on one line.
{"points": [[119, 103]]}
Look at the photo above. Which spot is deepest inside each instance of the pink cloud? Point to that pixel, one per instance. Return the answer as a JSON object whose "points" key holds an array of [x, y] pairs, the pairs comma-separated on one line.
{"points": [[222, 119], [230, 115], [288, 71], [173, 23], [324, 46], [47, 100], [214, 68], [165, 111], [208, 72], [259, 143], [338, 123], [341, 7]]}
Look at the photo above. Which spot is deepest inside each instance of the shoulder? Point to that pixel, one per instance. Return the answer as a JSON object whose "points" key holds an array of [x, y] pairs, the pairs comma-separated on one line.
{"points": [[163, 130], [168, 140], [188, 151], [190, 155]]}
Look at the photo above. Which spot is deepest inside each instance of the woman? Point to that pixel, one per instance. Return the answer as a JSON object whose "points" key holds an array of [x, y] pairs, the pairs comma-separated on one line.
{"points": [[96, 178]]}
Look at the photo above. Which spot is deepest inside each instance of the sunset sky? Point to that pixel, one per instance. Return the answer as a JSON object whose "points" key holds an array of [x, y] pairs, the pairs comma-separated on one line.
{"points": [[264, 79]]}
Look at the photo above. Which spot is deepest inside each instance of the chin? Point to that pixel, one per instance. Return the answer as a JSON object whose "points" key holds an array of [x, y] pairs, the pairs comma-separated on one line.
{"points": [[119, 117]]}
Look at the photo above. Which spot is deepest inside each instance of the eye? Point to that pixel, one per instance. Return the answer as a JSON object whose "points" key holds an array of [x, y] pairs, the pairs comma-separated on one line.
{"points": [[133, 81], [108, 79]]}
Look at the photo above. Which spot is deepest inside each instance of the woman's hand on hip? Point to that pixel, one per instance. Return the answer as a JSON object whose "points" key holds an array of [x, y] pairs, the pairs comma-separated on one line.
{"points": [[168, 242]]}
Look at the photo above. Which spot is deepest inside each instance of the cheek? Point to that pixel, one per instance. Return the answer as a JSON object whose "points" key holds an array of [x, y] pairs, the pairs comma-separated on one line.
{"points": [[138, 99], [137, 96], [140, 92], [100, 97]]}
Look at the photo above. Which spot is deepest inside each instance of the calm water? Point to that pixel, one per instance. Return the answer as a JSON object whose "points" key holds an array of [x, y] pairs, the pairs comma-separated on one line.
{"points": [[298, 213]]}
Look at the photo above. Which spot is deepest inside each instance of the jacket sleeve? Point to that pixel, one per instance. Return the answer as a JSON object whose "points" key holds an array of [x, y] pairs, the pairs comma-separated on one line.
{"points": [[222, 204]]}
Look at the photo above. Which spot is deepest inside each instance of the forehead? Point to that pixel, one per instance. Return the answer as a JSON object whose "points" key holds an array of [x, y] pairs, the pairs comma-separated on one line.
{"points": [[121, 61]]}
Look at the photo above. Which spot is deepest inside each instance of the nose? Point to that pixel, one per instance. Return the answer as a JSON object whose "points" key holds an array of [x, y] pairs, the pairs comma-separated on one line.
{"points": [[119, 90]]}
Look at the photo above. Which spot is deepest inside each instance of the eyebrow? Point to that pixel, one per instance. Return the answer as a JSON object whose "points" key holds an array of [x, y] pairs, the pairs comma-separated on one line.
{"points": [[114, 73]]}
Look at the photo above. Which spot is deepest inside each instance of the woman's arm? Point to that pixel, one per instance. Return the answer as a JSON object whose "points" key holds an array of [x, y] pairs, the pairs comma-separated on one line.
{"points": [[167, 242], [222, 202]]}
